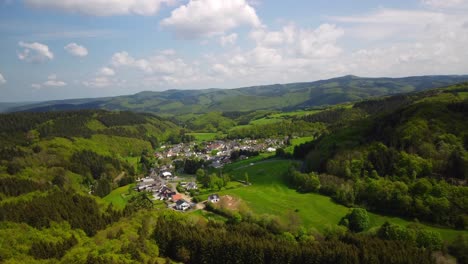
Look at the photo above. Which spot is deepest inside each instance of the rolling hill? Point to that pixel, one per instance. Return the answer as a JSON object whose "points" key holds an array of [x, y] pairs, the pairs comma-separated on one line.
{"points": [[268, 97]]}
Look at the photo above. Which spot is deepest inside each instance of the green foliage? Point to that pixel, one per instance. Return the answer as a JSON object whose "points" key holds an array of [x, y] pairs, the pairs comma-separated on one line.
{"points": [[103, 187], [250, 243], [459, 248], [287, 127], [46, 250], [191, 166], [11, 186], [418, 236], [80, 211], [414, 139], [90, 163], [303, 182], [357, 220], [272, 97], [21, 243]]}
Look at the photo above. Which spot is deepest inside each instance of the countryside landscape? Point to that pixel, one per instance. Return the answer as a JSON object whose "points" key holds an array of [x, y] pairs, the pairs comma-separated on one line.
{"points": [[310, 159]]}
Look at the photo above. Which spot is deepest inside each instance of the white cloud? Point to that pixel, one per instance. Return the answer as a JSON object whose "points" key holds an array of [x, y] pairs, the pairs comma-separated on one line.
{"points": [[443, 4], [162, 63], [52, 81], [76, 50], [311, 43], [228, 39], [396, 42], [102, 7], [210, 17], [390, 24], [106, 71], [163, 69], [34, 52], [2, 79], [99, 82]]}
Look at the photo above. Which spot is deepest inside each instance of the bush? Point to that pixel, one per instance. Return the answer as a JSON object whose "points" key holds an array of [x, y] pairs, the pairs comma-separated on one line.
{"points": [[357, 220]]}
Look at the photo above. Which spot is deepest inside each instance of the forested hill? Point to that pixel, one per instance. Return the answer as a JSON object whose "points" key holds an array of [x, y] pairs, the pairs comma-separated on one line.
{"points": [[404, 155], [268, 97], [78, 149]]}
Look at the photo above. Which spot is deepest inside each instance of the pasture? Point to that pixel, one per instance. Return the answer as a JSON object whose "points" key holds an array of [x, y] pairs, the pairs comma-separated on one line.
{"points": [[269, 195]]}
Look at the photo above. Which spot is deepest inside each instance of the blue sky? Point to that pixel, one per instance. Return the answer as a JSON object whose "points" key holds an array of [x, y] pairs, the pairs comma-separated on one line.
{"points": [[57, 49]]}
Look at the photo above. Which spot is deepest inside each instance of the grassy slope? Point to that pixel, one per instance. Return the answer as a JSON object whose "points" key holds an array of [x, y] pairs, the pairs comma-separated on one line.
{"points": [[269, 195], [118, 196], [203, 136]]}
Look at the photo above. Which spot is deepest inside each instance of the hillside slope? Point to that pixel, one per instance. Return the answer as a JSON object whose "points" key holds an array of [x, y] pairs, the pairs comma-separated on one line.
{"points": [[404, 155], [268, 97]]}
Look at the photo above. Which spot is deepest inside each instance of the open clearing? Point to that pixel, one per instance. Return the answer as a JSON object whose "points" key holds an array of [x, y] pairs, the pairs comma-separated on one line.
{"points": [[200, 137], [269, 195], [118, 196]]}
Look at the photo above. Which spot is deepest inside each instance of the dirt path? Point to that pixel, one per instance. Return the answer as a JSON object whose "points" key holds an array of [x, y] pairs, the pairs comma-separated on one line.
{"points": [[120, 176]]}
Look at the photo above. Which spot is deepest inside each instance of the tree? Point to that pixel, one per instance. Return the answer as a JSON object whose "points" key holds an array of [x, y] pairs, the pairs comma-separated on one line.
{"points": [[103, 187], [459, 248], [200, 174], [358, 219]]}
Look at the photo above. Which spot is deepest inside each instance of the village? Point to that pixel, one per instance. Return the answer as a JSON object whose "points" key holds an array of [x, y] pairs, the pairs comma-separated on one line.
{"points": [[163, 183]]}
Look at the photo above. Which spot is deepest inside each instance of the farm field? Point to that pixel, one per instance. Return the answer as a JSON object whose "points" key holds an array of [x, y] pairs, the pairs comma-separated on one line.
{"points": [[269, 195]]}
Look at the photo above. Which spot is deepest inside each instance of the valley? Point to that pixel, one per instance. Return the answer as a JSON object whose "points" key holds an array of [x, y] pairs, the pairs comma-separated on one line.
{"points": [[293, 176]]}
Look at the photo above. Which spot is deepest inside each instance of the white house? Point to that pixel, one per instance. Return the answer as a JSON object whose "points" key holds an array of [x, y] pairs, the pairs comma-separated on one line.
{"points": [[214, 198], [167, 174], [270, 149], [182, 205]]}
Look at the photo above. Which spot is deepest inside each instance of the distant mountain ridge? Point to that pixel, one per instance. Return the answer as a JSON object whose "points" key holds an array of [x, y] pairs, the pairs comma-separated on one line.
{"points": [[265, 97]]}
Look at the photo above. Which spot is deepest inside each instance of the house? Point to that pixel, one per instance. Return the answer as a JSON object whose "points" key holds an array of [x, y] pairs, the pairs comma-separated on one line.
{"points": [[191, 186], [165, 193], [214, 198], [176, 197], [166, 174], [146, 184], [182, 205]]}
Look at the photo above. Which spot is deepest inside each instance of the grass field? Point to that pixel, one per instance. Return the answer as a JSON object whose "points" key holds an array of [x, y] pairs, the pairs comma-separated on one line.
{"points": [[269, 195], [203, 136], [296, 142], [118, 197]]}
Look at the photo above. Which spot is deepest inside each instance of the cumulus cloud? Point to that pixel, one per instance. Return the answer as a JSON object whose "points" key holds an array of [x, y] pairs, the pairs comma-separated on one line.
{"points": [[228, 39], [161, 63], [311, 43], [76, 50], [210, 17], [2, 79], [407, 42], [105, 77], [52, 81], [34, 52], [163, 69], [106, 71], [102, 7]]}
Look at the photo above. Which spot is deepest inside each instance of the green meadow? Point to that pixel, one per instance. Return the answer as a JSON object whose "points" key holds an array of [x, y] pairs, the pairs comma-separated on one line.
{"points": [[120, 196], [204, 136], [268, 194]]}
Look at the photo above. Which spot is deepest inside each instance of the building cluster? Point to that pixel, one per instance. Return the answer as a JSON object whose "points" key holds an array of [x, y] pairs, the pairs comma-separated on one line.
{"points": [[217, 153], [156, 184]]}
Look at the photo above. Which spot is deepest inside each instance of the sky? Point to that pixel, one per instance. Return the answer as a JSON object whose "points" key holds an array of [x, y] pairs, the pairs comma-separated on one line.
{"points": [[60, 49]]}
